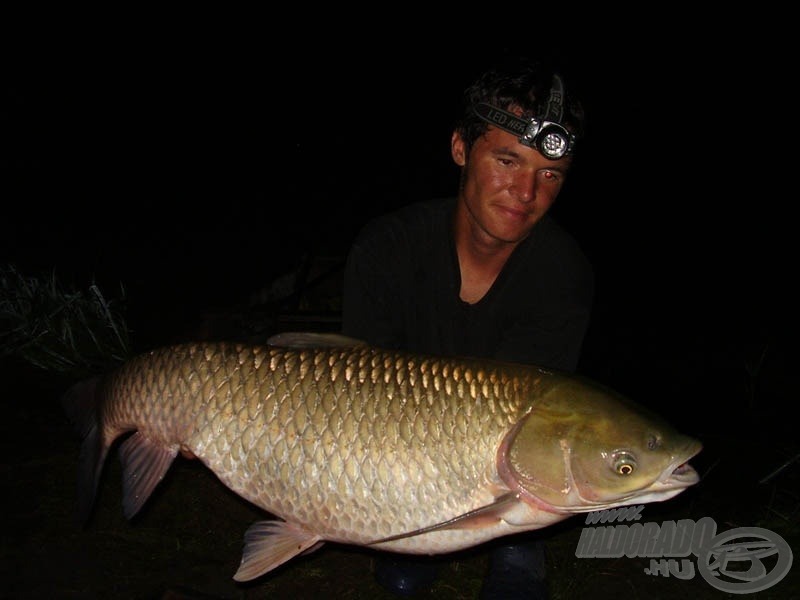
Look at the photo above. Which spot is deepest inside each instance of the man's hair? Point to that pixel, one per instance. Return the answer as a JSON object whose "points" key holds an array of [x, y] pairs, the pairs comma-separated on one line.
{"points": [[520, 83]]}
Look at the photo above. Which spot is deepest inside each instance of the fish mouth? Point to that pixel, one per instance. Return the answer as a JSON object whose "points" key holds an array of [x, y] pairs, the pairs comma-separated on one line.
{"points": [[683, 475], [680, 474]]}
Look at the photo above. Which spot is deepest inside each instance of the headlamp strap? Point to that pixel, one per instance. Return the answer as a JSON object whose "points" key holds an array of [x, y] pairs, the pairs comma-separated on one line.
{"points": [[526, 129], [555, 103], [502, 118]]}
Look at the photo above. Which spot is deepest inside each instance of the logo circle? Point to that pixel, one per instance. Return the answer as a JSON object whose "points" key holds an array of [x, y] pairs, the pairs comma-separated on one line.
{"points": [[752, 551]]}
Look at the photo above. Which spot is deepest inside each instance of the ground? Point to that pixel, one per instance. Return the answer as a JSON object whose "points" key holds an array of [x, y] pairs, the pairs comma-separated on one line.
{"points": [[187, 541]]}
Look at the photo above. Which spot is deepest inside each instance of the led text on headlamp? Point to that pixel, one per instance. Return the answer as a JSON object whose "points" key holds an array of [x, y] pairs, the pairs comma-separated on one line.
{"points": [[545, 134]]}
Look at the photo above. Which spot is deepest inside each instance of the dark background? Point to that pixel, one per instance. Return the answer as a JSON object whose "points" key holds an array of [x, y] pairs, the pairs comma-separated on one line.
{"points": [[195, 166], [196, 159]]}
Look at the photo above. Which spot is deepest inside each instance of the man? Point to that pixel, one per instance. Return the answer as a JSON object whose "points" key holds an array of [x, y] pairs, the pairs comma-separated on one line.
{"points": [[486, 274]]}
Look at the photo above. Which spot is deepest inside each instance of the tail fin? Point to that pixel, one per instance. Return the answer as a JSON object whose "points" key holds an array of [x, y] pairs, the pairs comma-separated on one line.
{"points": [[80, 403]]}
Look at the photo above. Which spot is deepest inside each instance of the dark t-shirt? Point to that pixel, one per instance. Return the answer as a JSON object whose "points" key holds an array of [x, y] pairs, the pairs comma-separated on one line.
{"points": [[402, 283]]}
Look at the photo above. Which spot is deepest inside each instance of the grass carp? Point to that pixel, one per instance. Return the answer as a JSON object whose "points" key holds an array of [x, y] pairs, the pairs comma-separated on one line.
{"points": [[348, 443]]}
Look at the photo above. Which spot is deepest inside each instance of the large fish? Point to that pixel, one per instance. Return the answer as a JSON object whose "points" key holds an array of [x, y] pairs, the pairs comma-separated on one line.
{"points": [[358, 445]]}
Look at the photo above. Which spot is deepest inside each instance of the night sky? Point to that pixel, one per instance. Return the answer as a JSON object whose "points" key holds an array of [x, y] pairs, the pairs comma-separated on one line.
{"points": [[196, 169]]}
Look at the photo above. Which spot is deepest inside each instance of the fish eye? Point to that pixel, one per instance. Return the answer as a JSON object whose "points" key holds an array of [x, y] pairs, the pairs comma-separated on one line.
{"points": [[624, 463]]}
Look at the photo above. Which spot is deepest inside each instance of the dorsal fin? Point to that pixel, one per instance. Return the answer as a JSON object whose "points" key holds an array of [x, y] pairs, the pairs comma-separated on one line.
{"points": [[296, 340]]}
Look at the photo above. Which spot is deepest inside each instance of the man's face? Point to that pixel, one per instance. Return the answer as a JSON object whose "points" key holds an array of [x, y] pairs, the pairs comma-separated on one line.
{"points": [[506, 187]]}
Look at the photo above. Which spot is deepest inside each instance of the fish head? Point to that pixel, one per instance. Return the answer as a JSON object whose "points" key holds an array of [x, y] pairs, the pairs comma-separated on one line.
{"points": [[582, 447]]}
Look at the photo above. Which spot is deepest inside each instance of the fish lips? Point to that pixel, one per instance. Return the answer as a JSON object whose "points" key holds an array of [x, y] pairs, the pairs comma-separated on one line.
{"points": [[679, 474]]}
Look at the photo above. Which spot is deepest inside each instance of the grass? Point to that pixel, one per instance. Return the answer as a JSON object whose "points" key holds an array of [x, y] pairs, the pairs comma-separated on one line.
{"points": [[77, 332]]}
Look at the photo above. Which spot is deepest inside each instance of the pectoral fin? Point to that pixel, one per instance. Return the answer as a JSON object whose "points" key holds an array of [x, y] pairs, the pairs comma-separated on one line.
{"points": [[474, 519], [269, 544]]}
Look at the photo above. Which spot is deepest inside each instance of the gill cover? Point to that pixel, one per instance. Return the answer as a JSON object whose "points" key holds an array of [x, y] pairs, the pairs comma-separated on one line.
{"points": [[583, 447], [534, 457]]}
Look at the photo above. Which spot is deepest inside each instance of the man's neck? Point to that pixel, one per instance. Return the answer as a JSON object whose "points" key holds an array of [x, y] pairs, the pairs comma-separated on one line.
{"points": [[480, 257]]}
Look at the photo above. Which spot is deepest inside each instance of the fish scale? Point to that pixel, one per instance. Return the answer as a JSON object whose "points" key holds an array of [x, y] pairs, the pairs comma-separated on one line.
{"points": [[367, 446], [380, 468]]}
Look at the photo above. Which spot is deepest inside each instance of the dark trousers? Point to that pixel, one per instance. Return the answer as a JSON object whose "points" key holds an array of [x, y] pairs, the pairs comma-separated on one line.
{"points": [[517, 570]]}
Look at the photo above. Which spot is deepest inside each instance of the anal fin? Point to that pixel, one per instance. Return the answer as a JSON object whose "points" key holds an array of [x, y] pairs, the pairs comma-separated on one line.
{"points": [[269, 544]]}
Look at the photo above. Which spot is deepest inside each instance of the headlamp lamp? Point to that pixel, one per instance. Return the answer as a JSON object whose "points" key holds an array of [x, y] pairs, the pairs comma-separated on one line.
{"points": [[545, 134]]}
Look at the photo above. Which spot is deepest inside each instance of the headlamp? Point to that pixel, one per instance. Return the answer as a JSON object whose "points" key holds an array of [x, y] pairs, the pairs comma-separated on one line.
{"points": [[545, 134]]}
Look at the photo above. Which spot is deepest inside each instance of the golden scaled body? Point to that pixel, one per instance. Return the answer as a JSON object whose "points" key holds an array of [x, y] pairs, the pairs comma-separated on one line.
{"points": [[355, 444]]}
